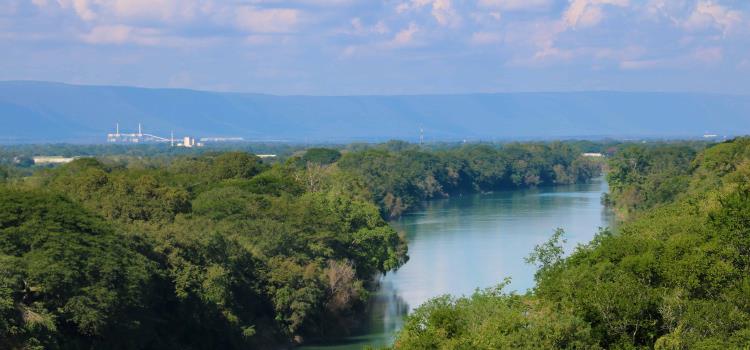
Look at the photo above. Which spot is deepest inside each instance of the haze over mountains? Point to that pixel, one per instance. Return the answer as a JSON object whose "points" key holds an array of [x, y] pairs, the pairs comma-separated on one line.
{"points": [[54, 112]]}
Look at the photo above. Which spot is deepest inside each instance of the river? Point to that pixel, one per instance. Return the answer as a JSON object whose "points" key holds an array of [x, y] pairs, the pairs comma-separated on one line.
{"points": [[475, 241]]}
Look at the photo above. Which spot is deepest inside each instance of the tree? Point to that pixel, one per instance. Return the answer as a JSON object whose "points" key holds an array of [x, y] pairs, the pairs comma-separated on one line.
{"points": [[236, 165], [23, 161], [67, 276], [321, 156]]}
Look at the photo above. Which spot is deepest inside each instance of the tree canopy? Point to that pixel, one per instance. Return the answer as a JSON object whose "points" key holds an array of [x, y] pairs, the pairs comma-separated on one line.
{"points": [[220, 249], [674, 275]]}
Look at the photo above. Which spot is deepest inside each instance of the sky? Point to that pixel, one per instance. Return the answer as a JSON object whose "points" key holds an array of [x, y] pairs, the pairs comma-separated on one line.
{"points": [[354, 47]]}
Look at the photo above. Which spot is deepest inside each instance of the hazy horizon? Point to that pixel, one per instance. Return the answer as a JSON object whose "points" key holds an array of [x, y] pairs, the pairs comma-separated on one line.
{"points": [[385, 94], [49, 112]]}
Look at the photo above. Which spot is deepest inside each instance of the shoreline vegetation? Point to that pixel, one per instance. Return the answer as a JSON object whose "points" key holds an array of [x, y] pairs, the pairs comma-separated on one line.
{"points": [[675, 274], [222, 250]]}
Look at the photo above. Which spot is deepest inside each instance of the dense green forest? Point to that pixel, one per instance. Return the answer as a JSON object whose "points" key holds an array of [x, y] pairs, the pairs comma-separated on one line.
{"points": [[208, 252], [400, 175], [221, 250], [674, 275]]}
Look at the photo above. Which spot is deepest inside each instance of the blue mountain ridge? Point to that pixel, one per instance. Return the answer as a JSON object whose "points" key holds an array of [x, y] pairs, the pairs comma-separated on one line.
{"points": [[55, 112]]}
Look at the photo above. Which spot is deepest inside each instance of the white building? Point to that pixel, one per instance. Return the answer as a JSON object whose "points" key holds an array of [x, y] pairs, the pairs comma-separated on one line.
{"points": [[189, 142], [595, 155], [41, 160]]}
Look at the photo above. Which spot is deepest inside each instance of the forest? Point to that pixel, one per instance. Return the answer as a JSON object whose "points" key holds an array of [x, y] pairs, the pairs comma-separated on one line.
{"points": [[675, 274], [219, 249]]}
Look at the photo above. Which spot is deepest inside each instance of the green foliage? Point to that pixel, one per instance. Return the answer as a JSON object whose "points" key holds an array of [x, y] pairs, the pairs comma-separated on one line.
{"points": [[215, 251], [490, 319], [235, 165], [676, 274], [642, 177], [23, 161], [731, 222], [548, 255], [219, 250], [274, 183], [119, 194], [66, 277], [400, 175], [322, 156]]}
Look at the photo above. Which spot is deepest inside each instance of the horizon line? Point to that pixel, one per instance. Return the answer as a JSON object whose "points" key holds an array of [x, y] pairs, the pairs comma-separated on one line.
{"points": [[520, 92]]}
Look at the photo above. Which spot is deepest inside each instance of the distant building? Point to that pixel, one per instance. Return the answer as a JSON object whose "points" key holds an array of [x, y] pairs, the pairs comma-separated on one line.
{"points": [[266, 155], [595, 155], [710, 136], [222, 139], [189, 142], [139, 137], [42, 160]]}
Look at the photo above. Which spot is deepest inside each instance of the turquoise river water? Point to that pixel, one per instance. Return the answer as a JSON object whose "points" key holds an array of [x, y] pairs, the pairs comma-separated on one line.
{"points": [[475, 241]]}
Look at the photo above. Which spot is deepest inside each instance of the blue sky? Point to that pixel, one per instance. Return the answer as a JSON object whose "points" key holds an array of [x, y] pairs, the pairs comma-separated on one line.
{"points": [[344, 47]]}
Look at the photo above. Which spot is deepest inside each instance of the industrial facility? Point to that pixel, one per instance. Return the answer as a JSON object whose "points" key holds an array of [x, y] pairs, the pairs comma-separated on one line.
{"points": [[141, 137], [138, 137]]}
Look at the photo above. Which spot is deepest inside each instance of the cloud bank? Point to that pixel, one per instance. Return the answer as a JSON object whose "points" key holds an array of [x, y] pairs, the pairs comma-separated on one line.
{"points": [[388, 46]]}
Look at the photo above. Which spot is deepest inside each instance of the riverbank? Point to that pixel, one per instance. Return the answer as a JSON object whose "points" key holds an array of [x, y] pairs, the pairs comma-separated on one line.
{"points": [[474, 241]]}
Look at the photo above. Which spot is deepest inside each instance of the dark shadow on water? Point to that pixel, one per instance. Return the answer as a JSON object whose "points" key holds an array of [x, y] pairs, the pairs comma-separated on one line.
{"points": [[384, 316]]}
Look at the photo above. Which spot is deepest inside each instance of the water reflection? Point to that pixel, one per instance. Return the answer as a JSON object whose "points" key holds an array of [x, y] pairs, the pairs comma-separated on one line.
{"points": [[459, 244]]}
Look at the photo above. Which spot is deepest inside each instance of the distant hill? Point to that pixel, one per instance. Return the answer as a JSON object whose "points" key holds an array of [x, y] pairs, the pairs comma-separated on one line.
{"points": [[53, 112]]}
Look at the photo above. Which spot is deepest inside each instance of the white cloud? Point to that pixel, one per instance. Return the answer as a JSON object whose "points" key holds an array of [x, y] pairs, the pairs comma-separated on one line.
{"points": [[404, 37], [657, 9], [134, 21], [708, 14], [123, 11], [444, 13], [165, 10], [553, 54], [674, 33], [320, 3], [121, 34], [357, 25], [442, 10], [515, 5], [359, 28], [82, 8], [380, 28], [276, 20], [587, 13]]}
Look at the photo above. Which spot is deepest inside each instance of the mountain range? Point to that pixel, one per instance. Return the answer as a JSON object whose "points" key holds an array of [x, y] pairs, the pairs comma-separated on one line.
{"points": [[32, 111]]}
